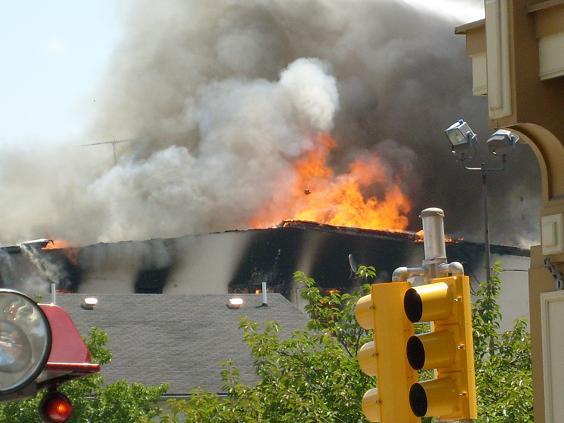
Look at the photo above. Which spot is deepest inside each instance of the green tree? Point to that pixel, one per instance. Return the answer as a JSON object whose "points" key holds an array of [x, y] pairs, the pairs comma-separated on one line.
{"points": [[92, 400], [313, 376], [503, 360]]}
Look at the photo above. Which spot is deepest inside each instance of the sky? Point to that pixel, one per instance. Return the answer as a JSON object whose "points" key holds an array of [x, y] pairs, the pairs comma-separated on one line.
{"points": [[471, 10], [54, 55]]}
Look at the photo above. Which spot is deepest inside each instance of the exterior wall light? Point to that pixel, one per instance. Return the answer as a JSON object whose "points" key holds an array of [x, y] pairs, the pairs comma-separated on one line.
{"points": [[501, 142], [89, 303], [236, 302], [462, 140]]}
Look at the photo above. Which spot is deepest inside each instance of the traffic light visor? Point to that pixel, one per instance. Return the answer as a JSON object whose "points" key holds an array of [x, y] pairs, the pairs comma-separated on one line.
{"points": [[431, 350], [25, 341], [428, 302], [436, 397]]}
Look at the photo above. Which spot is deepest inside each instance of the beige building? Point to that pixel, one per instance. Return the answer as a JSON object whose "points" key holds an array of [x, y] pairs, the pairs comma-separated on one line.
{"points": [[517, 55]]}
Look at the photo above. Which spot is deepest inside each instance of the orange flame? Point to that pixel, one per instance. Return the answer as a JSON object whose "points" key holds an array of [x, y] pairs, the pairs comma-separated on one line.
{"points": [[61, 244], [448, 239], [419, 234], [312, 192], [57, 244]]}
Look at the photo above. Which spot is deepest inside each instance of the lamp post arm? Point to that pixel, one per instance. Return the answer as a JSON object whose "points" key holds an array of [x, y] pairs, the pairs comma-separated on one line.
{"points": [[483, 167], [472, 168]]}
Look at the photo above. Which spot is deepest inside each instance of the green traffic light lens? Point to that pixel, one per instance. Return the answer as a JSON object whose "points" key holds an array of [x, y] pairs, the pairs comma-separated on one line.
{"points": [[25, 341], [418, 400]]}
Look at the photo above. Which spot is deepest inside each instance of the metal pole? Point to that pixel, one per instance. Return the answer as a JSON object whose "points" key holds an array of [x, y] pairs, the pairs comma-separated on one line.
{"points": [[53, 293], [264, 294], [484, 171], [433, 242]]}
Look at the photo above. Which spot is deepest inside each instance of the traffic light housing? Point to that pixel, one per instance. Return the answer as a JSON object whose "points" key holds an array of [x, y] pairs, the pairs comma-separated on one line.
{"points": [[448, 349], [385, 357]]}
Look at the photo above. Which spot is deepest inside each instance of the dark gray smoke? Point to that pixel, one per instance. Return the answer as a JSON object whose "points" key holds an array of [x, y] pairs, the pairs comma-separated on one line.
{"points": [[220, 96]]}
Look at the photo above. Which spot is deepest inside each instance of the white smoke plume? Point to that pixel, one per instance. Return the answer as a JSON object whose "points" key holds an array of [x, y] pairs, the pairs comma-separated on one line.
{"points": [[47, 271], [220, 96], [247, 130]]}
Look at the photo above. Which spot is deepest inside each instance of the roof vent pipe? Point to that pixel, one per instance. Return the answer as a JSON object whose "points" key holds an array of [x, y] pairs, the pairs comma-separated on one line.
{"points": [[433, 242], [433, 235], [53, 293], [264, 295]]}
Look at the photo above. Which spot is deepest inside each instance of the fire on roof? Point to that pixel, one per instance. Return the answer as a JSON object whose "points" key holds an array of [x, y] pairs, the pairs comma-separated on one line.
{"points": [[232, 261]]}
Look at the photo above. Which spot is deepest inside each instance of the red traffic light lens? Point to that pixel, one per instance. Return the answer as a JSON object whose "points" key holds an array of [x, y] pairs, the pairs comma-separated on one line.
{"points": [[55, 408]]}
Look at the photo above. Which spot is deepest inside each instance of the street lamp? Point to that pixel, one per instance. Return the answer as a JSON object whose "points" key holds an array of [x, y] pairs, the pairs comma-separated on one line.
{"points": [[463, 143]]}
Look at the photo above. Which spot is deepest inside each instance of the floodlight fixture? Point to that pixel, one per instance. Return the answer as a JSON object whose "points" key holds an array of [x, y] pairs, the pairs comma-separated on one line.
{"points": [[501, 142], [25, 341], [461, 138]]}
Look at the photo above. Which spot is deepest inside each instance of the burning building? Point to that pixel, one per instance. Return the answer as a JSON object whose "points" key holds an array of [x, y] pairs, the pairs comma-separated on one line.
{"points": [[226, 100], [240, 261], [329, 218], [249, 115]]}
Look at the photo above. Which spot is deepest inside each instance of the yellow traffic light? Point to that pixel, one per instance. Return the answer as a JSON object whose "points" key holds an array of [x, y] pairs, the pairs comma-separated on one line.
{"points": [[385, 357], [448, 349]]}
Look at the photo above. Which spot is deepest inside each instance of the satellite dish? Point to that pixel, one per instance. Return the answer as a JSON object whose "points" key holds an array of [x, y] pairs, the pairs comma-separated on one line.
{"points": [[352, 264]]}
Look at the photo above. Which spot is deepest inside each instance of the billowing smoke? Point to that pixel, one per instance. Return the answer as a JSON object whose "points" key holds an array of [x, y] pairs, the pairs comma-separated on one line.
{"points": [[247, 130], [218, 97]]}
